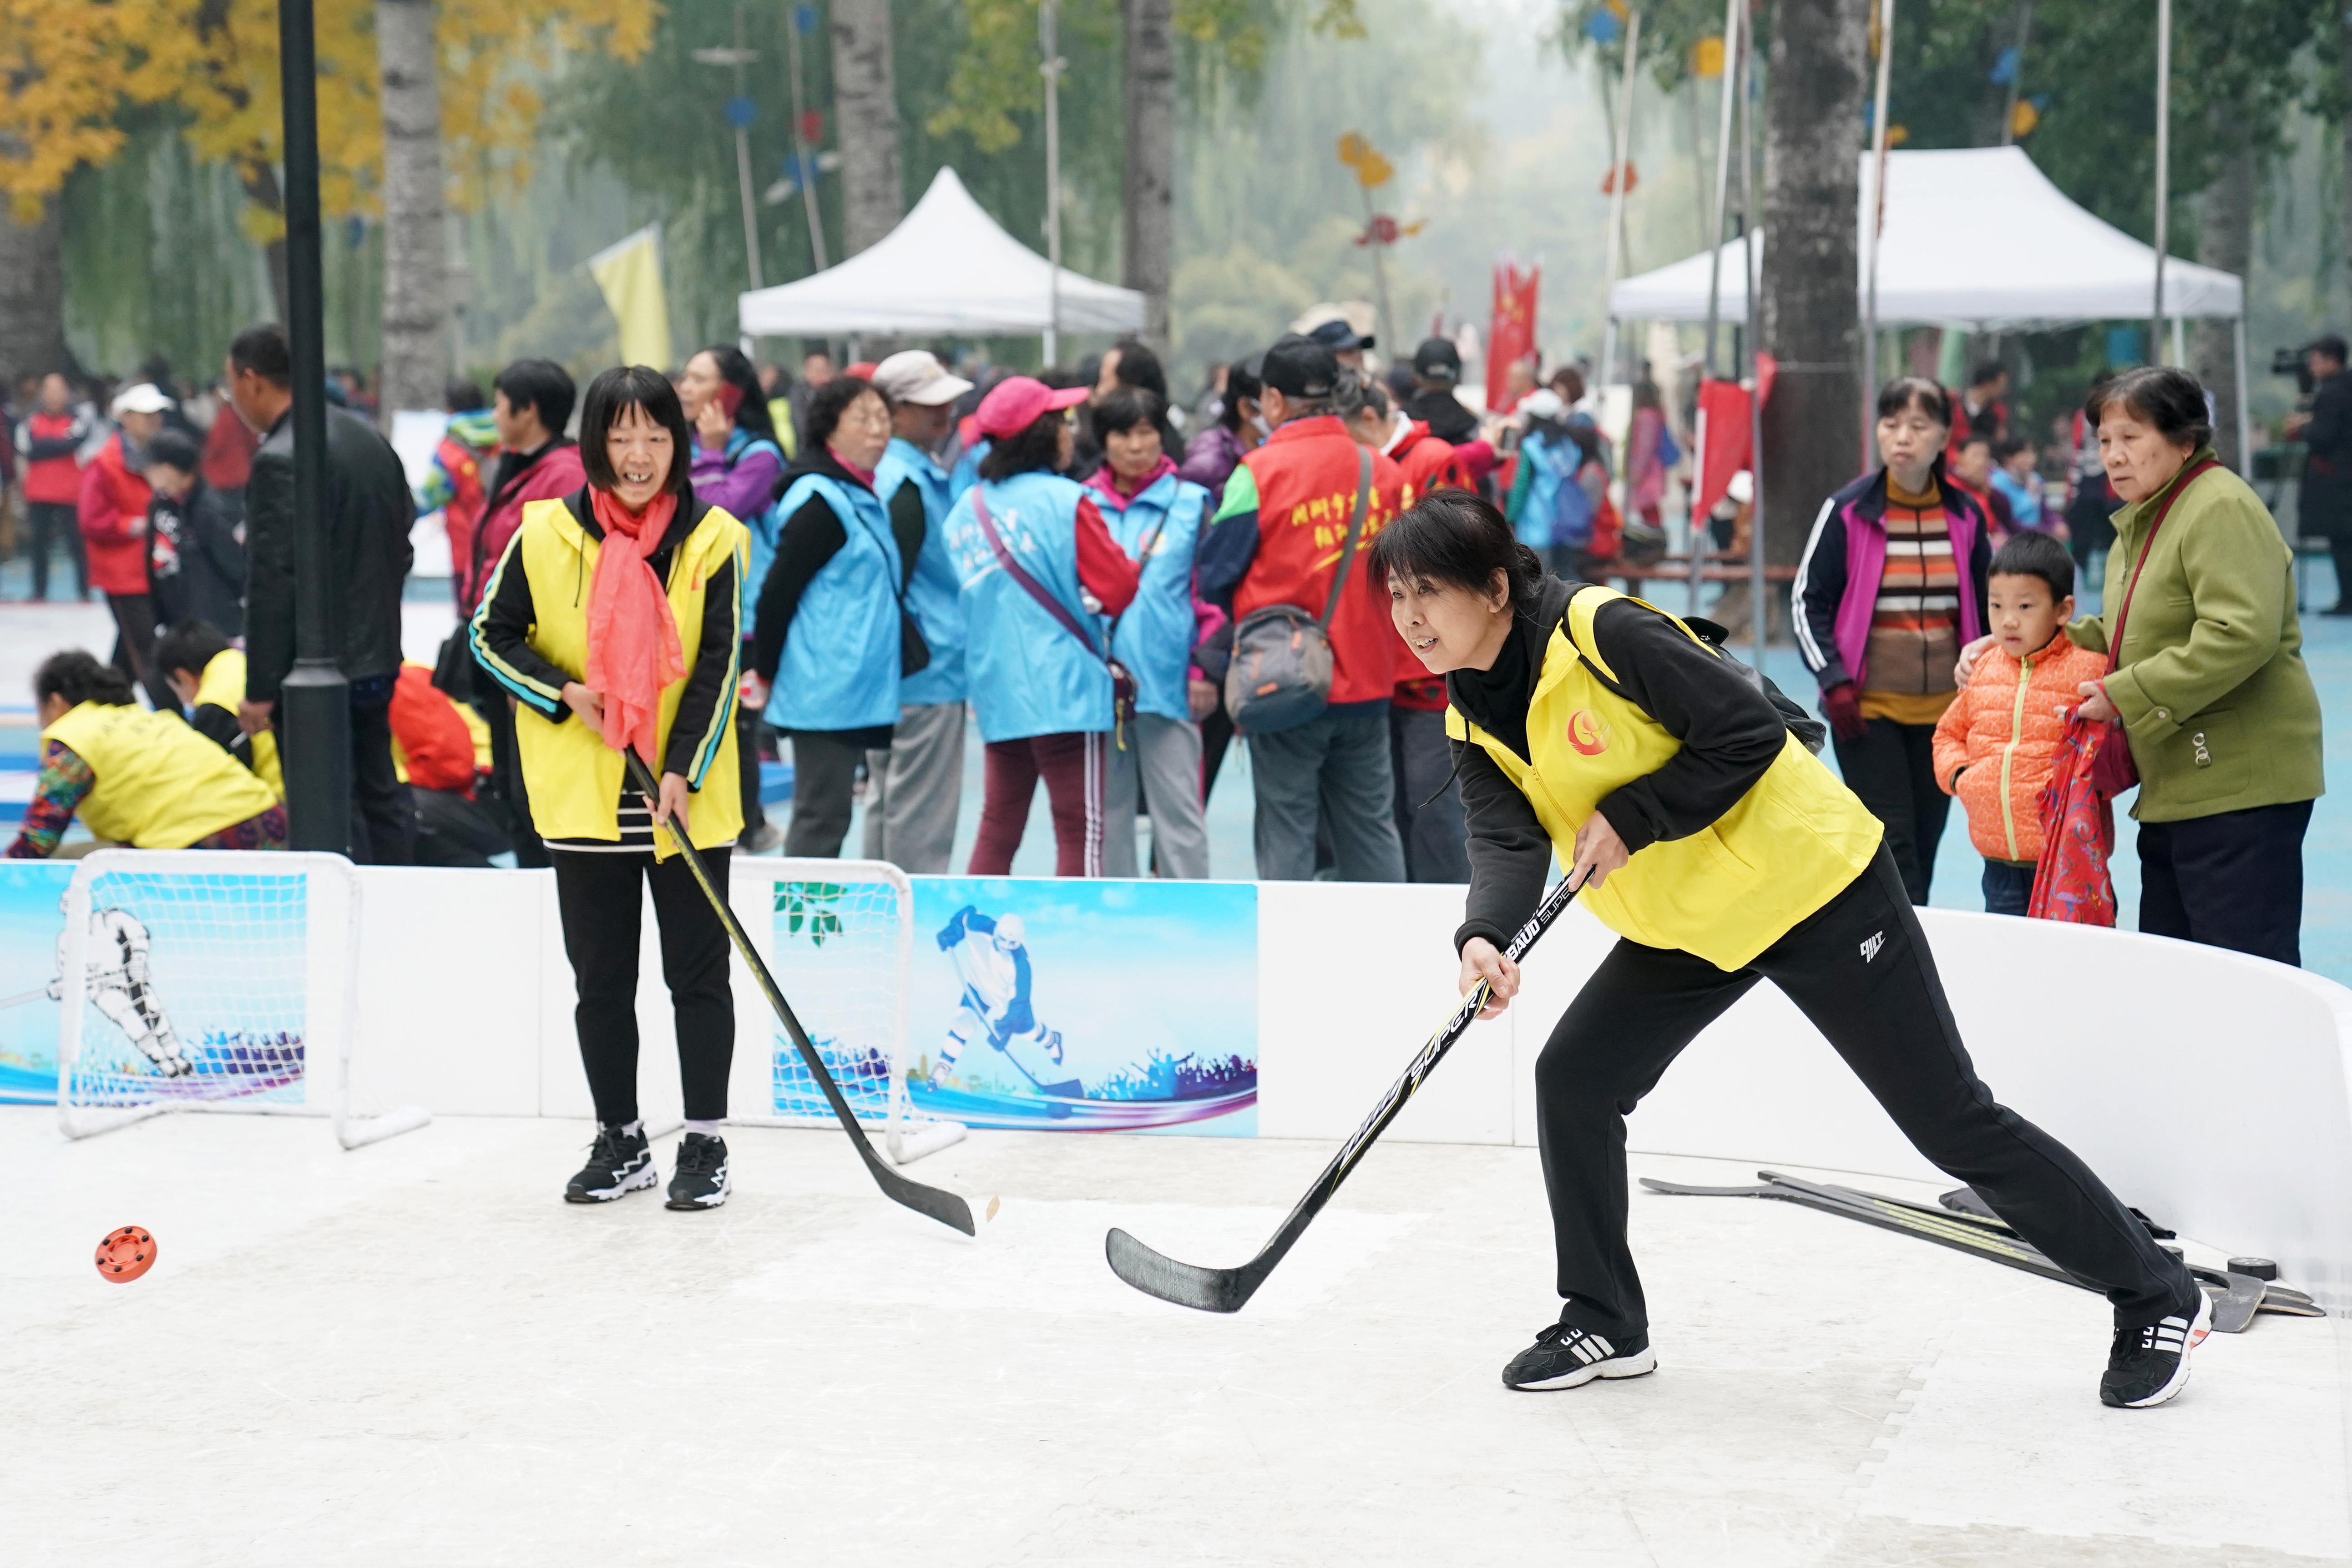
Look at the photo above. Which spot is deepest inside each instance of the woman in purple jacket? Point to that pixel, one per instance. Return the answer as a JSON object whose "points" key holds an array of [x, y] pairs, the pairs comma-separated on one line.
{"points": [[739, 466], [1890, 589]]}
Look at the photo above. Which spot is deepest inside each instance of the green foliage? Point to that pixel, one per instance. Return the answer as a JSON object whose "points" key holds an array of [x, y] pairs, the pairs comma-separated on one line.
{"points": [[811, 906]]}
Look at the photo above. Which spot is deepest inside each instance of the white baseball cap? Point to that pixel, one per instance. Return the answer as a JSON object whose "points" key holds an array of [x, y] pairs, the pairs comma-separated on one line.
{"points": [[144, 398], [916, 376], [1543, 404]]}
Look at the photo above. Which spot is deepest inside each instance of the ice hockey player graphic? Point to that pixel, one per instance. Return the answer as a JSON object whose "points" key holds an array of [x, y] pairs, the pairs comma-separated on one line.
{"points": [[121, 988], [993, 962]]}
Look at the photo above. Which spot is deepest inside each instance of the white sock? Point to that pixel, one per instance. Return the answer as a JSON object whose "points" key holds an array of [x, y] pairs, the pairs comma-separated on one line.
{"points": [[631, 1129], [707, 1129]]}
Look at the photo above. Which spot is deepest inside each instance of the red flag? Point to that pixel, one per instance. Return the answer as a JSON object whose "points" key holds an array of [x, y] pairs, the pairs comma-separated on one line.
{"points": [[1511, 337], [1722, 440]]}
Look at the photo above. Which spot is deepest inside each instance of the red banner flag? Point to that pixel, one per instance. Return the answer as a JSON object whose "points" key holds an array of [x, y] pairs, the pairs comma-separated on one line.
{"points": [[1511, 335], [1723, 439]]}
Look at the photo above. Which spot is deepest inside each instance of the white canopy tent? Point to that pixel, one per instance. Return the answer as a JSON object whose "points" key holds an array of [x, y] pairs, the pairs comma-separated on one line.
{"points": [[947, 268], [1976, 235]]}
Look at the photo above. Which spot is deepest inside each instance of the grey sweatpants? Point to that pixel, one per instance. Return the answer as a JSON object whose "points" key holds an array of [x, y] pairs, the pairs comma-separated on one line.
{"points": [[1333, 769], [913, 789], [1161, 766]]}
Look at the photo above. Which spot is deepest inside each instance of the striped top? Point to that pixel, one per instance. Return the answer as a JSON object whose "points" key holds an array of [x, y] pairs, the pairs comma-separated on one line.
{"points": [[1914, 636]]}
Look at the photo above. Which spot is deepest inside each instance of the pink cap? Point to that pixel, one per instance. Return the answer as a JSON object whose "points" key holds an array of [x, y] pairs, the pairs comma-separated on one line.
{"points": [[1013, 404]]}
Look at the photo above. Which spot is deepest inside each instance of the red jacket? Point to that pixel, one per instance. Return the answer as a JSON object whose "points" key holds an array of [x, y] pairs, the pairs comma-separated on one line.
{"points": [[229, 446], [113, 516], [429, 735], [1306, 483], [55, 479], [1428, 462], [461, 513], [557, 473]]}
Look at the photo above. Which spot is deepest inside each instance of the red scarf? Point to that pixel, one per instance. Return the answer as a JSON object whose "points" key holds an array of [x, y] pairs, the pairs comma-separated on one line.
{"points": [[633, 646]]}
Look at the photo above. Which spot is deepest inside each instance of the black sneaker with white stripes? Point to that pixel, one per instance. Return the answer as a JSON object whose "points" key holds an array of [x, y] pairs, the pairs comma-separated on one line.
{"points": [[2149, 1366], [1565, 1356], [618, 1162], [701, 1178]]}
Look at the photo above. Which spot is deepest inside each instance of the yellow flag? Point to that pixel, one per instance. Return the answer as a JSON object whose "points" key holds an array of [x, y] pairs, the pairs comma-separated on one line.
{"points": [[630, 274]]}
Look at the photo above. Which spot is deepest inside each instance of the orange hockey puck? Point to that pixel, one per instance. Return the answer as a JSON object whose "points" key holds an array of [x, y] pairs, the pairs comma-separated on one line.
{"points": [[125, 1254]]}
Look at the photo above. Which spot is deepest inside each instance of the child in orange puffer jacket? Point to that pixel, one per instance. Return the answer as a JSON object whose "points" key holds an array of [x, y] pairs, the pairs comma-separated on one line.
{"points": [[1995, 743]]}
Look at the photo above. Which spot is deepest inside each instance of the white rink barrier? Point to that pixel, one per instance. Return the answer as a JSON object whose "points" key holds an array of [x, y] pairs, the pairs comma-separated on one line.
{"points": [[2209, 1089]]}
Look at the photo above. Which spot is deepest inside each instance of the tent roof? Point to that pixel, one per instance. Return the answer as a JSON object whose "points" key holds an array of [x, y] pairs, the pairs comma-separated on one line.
{"points": [[1975, 235], [947, 268]]}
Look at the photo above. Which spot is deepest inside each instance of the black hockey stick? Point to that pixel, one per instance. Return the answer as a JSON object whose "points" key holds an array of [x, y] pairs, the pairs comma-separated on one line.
{"points": [[1228, 1290], [944, 1206]]}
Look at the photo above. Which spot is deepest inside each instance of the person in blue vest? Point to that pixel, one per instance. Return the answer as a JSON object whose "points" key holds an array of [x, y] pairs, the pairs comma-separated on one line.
{"points": [[833, 637], [915, 787], [738, 461], [1156, 516], [1039, 571]]}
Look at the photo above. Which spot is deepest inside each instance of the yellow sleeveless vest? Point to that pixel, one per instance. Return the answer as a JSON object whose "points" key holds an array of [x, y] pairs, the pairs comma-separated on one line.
{"points": [[1725, 892], [222, 685], [160, 785], [572, 777]]}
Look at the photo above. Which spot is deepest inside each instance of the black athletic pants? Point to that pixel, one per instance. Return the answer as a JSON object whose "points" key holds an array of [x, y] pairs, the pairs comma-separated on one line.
{"points": [[2232, 880], [1859, 969], [597, 895], [1892, 767]]}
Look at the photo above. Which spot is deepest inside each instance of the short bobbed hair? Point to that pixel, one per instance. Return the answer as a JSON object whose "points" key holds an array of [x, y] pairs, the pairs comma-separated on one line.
{"points": [[2165, 396], [609, 398], [1916, 391], [1455, 536]]}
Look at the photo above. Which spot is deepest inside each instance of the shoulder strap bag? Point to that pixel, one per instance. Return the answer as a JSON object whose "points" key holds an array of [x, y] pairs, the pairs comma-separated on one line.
{"points": [[1280, 676], [2112, 772], [1122, 684]]}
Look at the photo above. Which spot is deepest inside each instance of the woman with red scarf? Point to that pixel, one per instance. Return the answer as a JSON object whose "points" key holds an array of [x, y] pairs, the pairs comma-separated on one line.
{"points": [[613, 618]]}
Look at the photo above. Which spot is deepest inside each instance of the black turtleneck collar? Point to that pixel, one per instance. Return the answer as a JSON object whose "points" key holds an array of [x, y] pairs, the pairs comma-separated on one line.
{"points": [[1497, 699]]}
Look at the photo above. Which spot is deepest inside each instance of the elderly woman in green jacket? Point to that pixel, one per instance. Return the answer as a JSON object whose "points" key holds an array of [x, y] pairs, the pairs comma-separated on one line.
{"points": [[2209, 682]]}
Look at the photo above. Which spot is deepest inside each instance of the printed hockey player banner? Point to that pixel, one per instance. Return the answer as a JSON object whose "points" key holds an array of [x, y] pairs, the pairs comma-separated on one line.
{"points": [[30, 922], [1084, 1006]]}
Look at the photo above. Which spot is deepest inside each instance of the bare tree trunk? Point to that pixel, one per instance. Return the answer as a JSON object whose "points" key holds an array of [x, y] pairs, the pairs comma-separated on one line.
{"points": [[415, 218], [1812, 424], [1150, 231], [2225, 239], [865, 101], [32, 295], [261, 188]]}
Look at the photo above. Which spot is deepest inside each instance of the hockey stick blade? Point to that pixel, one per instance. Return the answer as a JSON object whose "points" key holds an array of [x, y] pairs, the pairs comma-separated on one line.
{"points": [[1229, 1290], [946, 1207]]}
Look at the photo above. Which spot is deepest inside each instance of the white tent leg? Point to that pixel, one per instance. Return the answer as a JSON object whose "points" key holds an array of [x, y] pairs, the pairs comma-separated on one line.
{"points": [[2245, 417]]}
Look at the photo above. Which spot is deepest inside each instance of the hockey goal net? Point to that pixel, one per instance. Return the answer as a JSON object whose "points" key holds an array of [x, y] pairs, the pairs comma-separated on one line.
{"points": [[840, 937], [211, 981]]}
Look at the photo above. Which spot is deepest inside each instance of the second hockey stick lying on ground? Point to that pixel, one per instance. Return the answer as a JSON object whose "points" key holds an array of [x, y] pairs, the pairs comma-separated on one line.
{"points": [[1228, 1290], [944, 1206]]}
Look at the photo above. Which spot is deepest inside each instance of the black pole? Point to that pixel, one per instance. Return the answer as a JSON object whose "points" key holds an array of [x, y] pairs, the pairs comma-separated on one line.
{"points": [[315, 713]]}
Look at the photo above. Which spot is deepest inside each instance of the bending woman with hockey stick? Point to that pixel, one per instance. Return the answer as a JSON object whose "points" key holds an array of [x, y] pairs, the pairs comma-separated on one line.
{"points": [[1703, 833], [614, 618]]}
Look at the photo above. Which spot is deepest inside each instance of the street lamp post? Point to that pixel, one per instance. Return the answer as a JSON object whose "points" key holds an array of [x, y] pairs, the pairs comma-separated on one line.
{"points": [[314, 703], [1051, 69], [739, 114]]}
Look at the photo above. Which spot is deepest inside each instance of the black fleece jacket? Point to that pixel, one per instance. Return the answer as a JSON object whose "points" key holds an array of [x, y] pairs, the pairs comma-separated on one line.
{"points": [[1729, 730]]}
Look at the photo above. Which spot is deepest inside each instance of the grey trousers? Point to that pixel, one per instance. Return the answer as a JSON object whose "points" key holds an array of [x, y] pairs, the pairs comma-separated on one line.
{"points": [[913, 790], [824, 778], [1436, 841], [1161, 766], [1334, 769]]}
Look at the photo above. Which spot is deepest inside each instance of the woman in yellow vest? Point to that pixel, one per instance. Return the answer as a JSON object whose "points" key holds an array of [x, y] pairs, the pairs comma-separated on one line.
{"points": [[209, 677], [1591, 726], [613, 620], [136, 777]]}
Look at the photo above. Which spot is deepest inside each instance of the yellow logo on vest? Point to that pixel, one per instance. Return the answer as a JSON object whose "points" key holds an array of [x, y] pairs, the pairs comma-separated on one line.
{"points": [[1587, 732]]}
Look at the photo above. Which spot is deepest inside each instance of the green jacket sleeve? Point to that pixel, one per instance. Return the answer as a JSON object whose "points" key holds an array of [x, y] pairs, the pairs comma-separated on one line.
{"points": [[1522, 480], [2229, 560]]}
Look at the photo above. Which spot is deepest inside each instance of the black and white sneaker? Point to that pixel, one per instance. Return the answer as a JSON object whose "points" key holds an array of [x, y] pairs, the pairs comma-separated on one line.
{"points": [[1565, 1356], [2149, 1366], [701, 1178], [618, 1162]]}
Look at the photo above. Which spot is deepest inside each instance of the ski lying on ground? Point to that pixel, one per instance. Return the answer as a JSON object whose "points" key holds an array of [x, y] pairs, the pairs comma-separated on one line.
{"points": [[2237, 1297]]}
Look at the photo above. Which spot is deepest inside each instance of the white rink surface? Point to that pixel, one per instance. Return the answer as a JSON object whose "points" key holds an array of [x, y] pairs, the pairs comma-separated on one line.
{"points": [[415, 1353]]}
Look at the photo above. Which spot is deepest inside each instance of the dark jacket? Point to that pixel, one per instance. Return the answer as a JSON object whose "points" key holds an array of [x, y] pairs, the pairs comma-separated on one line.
{"points": [[1443, 414], [1730, 732], [195, 560], [365, 536], [1838, 576], [2325, 503]]}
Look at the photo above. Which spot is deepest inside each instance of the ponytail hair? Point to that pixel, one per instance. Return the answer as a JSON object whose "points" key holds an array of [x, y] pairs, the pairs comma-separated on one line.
{"points": [[75, 677], [1454, 536]]}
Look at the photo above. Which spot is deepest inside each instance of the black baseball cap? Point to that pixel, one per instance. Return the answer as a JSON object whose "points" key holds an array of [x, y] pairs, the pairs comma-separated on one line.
{"points": [[1437, 360], [1339, 336], [1300, 366]]}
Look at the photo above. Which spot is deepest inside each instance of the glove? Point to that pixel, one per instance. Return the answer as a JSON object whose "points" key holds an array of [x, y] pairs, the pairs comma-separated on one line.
{"points": [[1842, 705]]}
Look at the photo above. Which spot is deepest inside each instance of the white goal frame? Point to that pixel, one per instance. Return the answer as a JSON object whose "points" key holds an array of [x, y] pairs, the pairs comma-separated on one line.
{"points": [[330, 993], [752, 883]]}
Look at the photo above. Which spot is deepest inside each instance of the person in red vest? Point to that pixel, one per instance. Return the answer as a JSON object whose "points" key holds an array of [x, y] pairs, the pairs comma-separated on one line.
{"points": [[112, 511], [455, 486], [1276, 540], [47, 442]]}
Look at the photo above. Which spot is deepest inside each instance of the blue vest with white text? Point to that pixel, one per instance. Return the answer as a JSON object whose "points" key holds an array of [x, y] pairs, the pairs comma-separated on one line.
{"points": [[840, 668], [1154, 638], [1027, 674], [932, 598]]}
